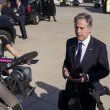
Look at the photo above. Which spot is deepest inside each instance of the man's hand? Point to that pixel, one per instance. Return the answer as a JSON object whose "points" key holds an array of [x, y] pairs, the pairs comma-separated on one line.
{"points": [[83, 77], [95, 95], [17, 14], [66, 73], [107, 90]]}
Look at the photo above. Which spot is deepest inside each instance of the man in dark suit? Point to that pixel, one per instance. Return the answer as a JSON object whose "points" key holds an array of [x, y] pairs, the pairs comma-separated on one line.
{"points": [[85, 63], [21, 16]]}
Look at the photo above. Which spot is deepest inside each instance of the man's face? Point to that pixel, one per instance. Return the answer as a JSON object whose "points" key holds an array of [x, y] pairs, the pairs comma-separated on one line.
{"points": [[82, 29]]}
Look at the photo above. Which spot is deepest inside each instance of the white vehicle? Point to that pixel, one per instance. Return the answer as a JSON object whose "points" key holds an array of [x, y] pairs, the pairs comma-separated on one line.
{"points": [[57, 2], [69, 2]]}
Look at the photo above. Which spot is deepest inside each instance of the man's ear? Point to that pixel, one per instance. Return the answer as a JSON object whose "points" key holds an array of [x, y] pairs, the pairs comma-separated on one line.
{"points": [[89, 29]]}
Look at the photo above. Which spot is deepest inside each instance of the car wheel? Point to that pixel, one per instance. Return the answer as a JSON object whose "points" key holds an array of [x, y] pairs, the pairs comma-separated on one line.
{"points": [[36, 19], [7, 35]]}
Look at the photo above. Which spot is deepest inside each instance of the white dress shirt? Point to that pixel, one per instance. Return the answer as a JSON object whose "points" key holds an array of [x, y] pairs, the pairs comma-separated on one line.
{"points": [[84, 47]]}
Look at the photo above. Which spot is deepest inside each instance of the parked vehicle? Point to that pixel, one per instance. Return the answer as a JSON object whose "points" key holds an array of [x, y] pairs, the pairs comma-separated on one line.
{"points": [[57, 2], [68, 3], [7, 29], [31, 10]]}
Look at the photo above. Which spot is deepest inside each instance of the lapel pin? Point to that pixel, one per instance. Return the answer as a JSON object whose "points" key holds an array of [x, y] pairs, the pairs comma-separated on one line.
{"points": [[90, 49]]}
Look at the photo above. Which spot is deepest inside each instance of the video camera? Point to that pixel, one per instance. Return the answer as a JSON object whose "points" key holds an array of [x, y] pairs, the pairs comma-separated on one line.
{"points": [[17, 82]]}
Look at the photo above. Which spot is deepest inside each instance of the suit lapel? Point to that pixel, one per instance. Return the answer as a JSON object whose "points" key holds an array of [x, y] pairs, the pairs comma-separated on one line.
{"points": [[89, 51], [72, 52]]}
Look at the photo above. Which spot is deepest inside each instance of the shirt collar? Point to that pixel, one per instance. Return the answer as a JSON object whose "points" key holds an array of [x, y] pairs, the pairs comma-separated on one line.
{"points": [[86, 41]]}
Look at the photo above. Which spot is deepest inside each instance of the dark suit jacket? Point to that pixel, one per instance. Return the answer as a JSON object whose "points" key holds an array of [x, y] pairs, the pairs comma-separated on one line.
{"points": [[94, 63], [9, 12], [21, 12]]}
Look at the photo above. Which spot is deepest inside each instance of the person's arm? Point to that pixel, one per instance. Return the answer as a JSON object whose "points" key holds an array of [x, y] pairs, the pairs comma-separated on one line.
{"points": [[15, 17], [21, 10], [96, 96], [66, 73], [102, 65], [13, 51], [100, 106], [65, 68], [6, 45], [107, 90]]}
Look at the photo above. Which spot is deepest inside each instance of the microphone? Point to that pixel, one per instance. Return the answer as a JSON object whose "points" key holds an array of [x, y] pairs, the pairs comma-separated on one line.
{"points": [[21, 60]]}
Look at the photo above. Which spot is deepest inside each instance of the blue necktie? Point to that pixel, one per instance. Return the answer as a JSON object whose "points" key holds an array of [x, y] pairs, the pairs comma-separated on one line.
{"points": [[78, 56]]}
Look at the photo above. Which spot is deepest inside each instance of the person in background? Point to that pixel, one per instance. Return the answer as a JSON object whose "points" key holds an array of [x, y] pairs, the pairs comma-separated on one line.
{"points": [[97, 98], [6, 10], [107, 90], [52, 10], [21, 16], [86, 62]]}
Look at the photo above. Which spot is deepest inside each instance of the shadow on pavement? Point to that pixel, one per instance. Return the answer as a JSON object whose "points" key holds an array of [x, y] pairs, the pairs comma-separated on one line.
{"points": [[95, 10], [49, 89], [48, 96], [90, 8]]}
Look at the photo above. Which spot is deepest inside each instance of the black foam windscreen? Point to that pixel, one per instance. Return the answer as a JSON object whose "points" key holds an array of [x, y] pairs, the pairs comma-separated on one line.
{"points": [[21, 60], [30, 55], [25, 58]]}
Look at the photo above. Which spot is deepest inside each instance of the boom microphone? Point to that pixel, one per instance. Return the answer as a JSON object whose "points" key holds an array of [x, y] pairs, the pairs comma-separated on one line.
{"points": [[21, 60], [24, 59], [30, 56]]}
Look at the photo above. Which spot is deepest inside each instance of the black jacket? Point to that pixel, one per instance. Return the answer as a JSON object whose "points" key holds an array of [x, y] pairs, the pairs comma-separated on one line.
{"points": [[21, 12], [9, 12], [94, 63]]}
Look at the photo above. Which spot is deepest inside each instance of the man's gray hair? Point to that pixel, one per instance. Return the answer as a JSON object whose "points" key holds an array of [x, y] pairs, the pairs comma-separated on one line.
{"points": [[85, 16]]}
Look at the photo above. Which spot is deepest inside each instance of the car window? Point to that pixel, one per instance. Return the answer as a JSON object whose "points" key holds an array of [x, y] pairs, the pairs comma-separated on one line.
{"points": [[25, 2]]}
